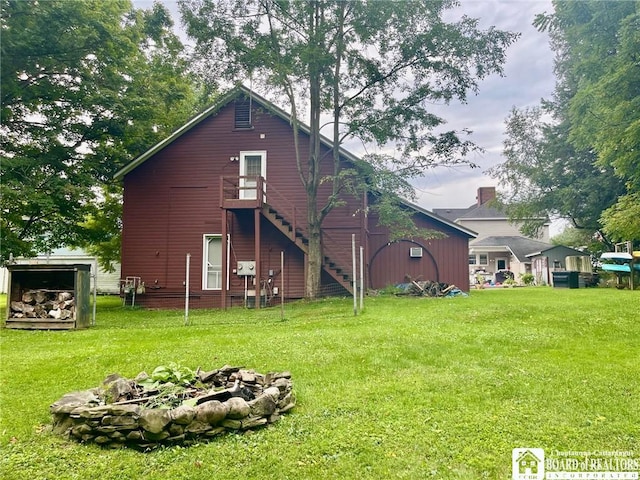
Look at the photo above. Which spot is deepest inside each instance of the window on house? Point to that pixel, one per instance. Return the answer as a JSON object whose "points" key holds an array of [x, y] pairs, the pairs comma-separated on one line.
{"points": [[212, 268], [253, 165], [243, 113], [483, 259], [472, 259]]}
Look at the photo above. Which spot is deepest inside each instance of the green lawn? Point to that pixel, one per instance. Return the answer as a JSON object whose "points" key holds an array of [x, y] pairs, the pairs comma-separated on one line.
{"points": [[411, 388]]}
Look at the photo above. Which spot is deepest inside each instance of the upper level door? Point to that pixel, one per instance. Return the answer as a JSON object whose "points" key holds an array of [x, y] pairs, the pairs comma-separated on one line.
{"points": [[252, 165]]}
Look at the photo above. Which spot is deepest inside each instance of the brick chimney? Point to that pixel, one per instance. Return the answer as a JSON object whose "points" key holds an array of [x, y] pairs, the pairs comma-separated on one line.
{"points": [[485, 194]]}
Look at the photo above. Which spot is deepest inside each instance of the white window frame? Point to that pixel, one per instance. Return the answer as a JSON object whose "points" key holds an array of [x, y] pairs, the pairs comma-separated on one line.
{"points": [[205, 262], [246, 193], [477, 259]]}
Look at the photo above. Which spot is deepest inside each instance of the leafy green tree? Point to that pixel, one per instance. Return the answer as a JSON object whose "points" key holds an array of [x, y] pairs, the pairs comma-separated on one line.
{"points": [[86, 86], [580, 239], [621, 220], [584, 164], [369, 69], [546, 176], [606, 108]]}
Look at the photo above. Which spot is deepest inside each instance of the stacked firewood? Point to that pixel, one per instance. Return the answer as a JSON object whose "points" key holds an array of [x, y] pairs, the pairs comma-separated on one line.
{"points": [[44, 304]]}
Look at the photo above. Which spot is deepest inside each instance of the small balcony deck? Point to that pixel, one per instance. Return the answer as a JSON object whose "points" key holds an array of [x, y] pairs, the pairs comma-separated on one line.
{"points": [[242, 192]]}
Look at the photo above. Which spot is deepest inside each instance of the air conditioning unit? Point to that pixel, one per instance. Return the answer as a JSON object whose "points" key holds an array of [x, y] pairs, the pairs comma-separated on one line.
{"points": [[415, 252]]}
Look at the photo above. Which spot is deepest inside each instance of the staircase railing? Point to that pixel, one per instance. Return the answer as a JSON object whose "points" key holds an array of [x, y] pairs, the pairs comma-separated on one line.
{"points": [[230, 196], [288, 210], [340, 256]]}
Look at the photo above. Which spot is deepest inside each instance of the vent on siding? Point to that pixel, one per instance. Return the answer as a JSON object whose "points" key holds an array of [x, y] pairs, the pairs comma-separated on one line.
{"points": [[243, 113], [415, 252]]}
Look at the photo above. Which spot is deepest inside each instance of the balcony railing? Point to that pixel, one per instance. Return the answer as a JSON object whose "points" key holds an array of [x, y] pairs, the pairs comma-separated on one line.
{"points": [[242, 192]]}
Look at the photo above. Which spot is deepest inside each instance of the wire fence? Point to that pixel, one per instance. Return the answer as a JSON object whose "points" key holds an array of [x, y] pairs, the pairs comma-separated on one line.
{"points": [[332, 290]]}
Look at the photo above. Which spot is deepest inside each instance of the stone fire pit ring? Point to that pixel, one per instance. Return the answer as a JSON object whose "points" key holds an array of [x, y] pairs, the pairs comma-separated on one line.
{"points": [[145, 413]]}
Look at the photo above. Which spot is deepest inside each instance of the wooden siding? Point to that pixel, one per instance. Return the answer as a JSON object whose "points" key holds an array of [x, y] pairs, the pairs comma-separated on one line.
{"points": [[443, 260], [272, 244], [173, 199]]}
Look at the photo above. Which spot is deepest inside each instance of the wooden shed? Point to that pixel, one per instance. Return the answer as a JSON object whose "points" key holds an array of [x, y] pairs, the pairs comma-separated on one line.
{"points": [[48, 297]]}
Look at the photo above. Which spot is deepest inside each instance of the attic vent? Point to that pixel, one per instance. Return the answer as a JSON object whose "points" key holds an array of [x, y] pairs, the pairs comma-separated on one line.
{"points": [[415, 252], [243, 113]]}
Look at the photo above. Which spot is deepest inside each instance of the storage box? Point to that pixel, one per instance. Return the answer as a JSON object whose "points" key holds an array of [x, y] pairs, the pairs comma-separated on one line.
{"points": [[48, 296]]}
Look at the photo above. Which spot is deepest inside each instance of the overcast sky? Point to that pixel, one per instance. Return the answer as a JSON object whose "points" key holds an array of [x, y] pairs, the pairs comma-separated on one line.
{"points": [[528, 78]]}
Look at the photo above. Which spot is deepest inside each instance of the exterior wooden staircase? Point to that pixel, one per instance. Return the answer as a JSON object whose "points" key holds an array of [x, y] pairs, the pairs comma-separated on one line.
{"points": [[282, 214], [297, 235]]}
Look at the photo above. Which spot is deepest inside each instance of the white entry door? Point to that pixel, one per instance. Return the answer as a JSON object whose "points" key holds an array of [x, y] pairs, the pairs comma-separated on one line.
{"points": [[252, 165]]}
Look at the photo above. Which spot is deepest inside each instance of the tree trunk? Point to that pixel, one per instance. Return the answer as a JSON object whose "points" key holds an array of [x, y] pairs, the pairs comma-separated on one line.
{"points": [[314, 216], [314, 260]]}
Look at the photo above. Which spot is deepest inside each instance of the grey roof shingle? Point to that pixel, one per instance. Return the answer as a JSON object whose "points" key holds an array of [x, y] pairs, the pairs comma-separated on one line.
{"points": [[486, 210], [451, 214], [519, 246]]}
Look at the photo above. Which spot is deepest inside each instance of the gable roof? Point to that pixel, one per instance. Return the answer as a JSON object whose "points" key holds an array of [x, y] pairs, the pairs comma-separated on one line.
{"points": [[557, 247], [474, 212], [175, 135], [212, 110], [451, 214], [440, 219], [277, 111], [484, 211], [520, 247]]}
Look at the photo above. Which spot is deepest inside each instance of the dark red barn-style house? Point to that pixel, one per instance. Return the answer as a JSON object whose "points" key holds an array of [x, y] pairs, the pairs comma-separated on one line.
{"points": [[225, 191]]}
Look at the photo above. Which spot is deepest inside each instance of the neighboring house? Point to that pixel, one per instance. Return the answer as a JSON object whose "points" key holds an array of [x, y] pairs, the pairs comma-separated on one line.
{"points": [[107, 282], [499, 245], [499, 253], [553, 258], [224, 188]]}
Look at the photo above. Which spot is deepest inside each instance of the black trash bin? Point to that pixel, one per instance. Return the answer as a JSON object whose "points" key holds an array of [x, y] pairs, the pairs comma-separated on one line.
{"points": [[566, 279]]}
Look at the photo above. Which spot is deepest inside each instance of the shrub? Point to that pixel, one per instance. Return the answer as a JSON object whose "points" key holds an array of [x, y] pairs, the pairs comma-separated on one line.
{"points": [[527, 278]]}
